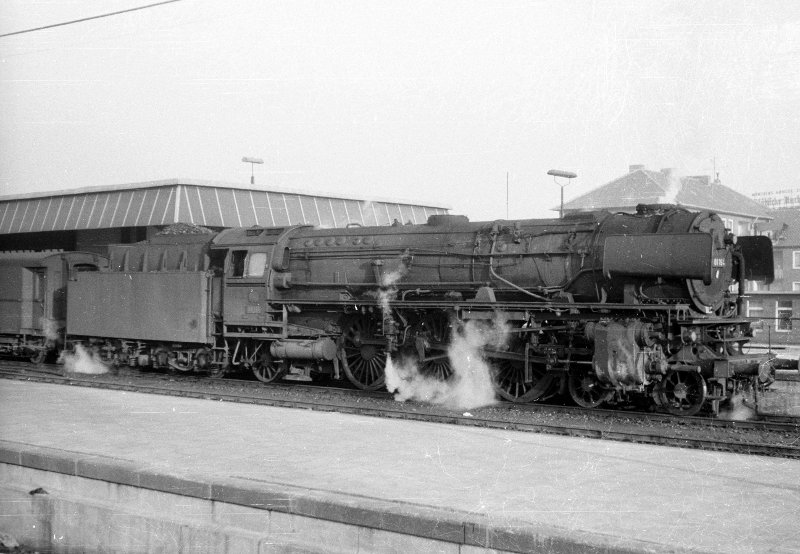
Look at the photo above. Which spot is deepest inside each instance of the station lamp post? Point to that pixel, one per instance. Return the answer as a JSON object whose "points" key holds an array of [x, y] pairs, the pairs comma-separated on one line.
{"points": [[556, 173], [252, 162]]}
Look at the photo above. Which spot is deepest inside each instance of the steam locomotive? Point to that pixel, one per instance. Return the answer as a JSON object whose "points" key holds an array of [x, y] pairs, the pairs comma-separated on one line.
{"points": [[607, 308]]}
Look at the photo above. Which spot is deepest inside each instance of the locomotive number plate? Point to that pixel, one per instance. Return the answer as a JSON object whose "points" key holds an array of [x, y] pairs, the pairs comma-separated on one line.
{"points": [[253, 309]]}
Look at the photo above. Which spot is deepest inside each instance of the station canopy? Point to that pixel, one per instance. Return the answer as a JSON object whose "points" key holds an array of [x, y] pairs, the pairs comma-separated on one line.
{"points": [[206, 203]]}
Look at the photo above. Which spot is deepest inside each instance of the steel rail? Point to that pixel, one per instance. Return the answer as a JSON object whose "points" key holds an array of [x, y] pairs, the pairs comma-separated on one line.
{"points": [[783, 424], [643, 437]]}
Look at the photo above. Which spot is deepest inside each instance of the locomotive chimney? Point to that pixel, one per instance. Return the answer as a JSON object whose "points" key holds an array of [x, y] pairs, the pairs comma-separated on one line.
{"points": [[635, 167]]}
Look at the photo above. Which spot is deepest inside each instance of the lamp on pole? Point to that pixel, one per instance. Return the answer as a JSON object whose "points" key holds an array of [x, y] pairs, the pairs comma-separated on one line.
{"points": [[556, 173], [252, 162]]}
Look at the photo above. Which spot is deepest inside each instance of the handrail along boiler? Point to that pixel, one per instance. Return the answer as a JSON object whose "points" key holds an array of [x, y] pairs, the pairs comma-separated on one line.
{"points": [[605, 307]]}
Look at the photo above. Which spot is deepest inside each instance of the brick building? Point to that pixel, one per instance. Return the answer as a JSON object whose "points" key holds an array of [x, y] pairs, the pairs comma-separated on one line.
{"points": [[775, 307]]}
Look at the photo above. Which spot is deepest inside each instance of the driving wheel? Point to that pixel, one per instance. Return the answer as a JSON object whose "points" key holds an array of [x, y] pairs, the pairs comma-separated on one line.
{"points": [[363, 353], [509, 377], [436, 328]]}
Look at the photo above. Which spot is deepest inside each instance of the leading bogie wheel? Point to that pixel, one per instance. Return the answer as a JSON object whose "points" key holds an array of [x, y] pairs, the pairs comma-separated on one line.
{"points": [[683, 392], [585, 389]]}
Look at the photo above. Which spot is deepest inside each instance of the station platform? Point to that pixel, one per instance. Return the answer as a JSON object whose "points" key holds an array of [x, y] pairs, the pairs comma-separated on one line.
{"points": [[94, 470]]}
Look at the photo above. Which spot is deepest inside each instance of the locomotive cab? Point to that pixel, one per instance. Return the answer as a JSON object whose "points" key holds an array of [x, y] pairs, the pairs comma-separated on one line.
{"points": [[255, 259]]}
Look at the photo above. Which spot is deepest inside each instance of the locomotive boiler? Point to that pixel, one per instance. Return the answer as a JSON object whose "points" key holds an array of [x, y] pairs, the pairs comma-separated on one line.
{"points": [[603, 307]]}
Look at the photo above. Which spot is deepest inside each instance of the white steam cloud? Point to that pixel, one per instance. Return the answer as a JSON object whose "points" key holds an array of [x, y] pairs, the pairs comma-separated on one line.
{"points": [[471, 384], [674, 186], [388, 291], [49, 329], [82, 361], [737, 410]]}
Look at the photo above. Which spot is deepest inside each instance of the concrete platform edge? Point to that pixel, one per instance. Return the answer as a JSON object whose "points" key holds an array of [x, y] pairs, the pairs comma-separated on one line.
{"points": [[462, 528]]}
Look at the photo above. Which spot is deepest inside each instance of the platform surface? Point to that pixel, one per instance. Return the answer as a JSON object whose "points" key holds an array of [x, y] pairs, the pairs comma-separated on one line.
{"points": [[648, 495]]}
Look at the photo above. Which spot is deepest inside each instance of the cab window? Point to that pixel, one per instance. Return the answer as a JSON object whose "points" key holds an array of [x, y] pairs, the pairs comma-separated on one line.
{"points": [[248, 264], [237, 263], [256, 264]]}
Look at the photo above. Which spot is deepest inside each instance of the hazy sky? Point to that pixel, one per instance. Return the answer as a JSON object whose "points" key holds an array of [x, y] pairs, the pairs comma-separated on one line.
{"points": [[426, 101]]}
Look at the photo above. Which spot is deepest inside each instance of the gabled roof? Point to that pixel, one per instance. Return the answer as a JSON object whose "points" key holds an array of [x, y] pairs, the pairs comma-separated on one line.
{"points": [[643, 186], [785, 227], [210, 204]]}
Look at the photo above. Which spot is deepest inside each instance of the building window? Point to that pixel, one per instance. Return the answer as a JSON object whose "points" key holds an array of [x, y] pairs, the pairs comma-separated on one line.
{"points": [[783, 315], [754, 314], [743, 229], [795, 286], [796, 259]]}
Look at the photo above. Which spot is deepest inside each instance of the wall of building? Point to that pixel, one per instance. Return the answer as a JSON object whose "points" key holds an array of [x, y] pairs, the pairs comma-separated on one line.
{"points": [[774, 316], [775, 307]]}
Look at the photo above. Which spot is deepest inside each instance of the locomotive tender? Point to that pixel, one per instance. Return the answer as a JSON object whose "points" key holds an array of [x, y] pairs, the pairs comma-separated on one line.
{"points": [[605, 307], [33, 299]]}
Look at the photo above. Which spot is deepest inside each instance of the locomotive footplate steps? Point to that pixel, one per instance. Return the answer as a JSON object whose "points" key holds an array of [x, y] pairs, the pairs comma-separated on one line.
{"points": [[153, 470]]}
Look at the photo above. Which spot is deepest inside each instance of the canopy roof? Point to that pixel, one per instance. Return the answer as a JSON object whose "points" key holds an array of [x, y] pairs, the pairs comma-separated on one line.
{"points": [[201, 203]]}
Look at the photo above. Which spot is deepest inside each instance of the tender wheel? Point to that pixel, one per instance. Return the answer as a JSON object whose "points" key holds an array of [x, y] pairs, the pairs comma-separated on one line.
{"points": [[38, 357], [266, 369], [182, 362], [110, 353], [161, 357], [437, 329], [363, 353], [586, 390], [204, 361], [509, 378], [683, 392]]}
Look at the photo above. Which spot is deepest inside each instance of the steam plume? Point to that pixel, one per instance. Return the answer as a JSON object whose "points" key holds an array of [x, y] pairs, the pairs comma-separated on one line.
{"points": [[49, 328], [82, 361], [673, 188], [737, 410], [471, 384]]}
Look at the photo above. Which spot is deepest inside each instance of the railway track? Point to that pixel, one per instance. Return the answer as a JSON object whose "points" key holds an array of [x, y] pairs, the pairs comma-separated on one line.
{"points": [[767, 438]]}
